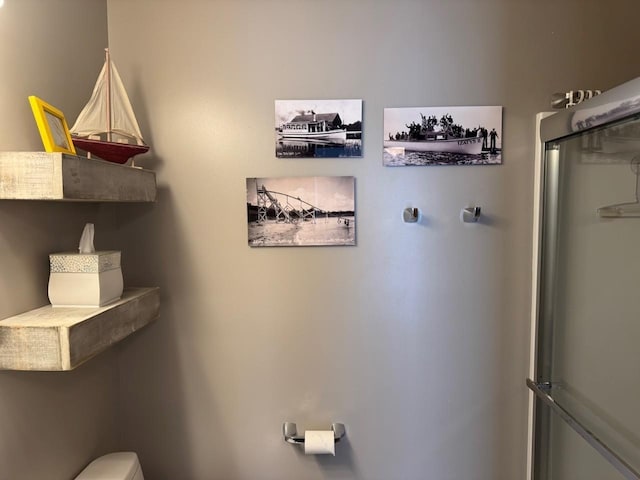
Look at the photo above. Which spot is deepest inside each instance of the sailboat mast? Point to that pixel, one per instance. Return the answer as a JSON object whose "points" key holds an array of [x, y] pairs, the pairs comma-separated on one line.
{"points": [[108, 63]]}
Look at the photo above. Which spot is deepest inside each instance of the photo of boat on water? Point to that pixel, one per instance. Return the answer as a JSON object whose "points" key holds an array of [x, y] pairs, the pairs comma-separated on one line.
{"points": [[442, 136], [318, 128], [301, 211]]}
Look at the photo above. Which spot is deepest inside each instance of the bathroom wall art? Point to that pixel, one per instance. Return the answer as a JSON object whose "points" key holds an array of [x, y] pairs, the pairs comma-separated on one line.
{"points": [[318, 128], [442, 136], [52, 126], [299, 211]]}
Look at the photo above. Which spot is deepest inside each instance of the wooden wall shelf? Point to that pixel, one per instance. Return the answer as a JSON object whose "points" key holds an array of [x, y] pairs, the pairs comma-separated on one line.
{"points": [[64, 177], [61, 338]]}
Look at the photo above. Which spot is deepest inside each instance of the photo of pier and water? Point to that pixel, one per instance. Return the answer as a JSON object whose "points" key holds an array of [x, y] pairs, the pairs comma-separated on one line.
{"points": [[318, 128], [442, 136], [301, 211]]}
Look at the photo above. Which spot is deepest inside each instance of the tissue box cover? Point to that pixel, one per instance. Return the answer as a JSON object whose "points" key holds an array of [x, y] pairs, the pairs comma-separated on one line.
{"points": [[85, 279]]}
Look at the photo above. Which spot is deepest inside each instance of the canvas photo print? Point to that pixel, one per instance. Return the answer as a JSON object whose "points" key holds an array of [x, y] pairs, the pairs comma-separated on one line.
{"points": [[299, 211], [318, 128], [442, 136]]}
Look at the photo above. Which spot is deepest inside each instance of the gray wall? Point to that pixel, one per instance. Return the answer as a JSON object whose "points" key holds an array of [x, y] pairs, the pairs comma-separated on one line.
{"points": [[416, 339], [52, 424], [420, 344]]}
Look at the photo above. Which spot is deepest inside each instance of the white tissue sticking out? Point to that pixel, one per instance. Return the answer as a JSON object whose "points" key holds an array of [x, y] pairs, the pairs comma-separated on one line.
{"points": [[86, 240], [319, 442]]}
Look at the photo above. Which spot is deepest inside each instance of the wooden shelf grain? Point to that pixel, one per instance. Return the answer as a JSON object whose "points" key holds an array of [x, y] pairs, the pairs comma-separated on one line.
{"points": [[71, 178], [61, 338]]}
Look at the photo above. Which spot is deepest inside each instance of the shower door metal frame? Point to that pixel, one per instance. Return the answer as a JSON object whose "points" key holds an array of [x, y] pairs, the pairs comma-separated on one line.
{"points": [[611, 106]]}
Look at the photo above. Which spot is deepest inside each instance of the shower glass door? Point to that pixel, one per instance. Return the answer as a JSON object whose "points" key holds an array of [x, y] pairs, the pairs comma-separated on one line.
{"points": [[587, 368]]}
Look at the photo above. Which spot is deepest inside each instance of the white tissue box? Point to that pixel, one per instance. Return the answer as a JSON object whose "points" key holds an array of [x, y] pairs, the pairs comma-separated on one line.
{"points": [[85, 279]]}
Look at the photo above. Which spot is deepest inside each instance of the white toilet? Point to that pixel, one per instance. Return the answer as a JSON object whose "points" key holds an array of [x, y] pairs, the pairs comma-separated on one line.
{"points": [[114, 466]]}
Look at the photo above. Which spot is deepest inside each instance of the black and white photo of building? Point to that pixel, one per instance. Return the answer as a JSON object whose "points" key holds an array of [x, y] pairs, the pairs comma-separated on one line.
{"points": [[298, 211], [318, 128]]}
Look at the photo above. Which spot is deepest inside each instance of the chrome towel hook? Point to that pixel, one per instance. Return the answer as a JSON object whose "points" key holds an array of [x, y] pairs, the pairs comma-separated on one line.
{"points": [[470, 214], [410, 215], [290, 433]]}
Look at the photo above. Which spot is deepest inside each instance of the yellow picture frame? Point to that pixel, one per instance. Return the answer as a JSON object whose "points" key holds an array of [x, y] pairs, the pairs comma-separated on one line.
{"points": [[52, 126]]}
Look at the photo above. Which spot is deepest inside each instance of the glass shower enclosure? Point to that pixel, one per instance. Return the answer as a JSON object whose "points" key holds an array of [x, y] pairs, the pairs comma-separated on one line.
{"points": [[585, 374]]}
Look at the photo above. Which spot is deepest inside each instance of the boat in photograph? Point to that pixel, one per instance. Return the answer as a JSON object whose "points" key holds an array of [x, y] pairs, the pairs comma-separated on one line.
{"points": [[314, 126], [107, 126], [468, 146]]}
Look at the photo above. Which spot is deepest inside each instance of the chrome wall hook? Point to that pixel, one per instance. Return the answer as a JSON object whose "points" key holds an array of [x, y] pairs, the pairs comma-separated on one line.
{"points": [[470, 214], [290, 432], [410, 215]]}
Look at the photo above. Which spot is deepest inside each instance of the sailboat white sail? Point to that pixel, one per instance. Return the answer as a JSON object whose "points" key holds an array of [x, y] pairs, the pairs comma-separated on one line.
{"points": [[109, 116]]}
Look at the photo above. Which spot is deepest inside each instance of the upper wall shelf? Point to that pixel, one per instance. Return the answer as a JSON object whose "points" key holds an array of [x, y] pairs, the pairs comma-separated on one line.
{"points": [[64, 177]]}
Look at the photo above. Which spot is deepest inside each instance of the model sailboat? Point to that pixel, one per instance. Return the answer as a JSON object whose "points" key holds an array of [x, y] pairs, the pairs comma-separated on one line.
{"points": [[107, 126]]}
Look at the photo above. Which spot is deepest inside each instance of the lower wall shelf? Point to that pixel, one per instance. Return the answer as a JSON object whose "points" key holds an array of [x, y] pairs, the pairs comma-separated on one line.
{"points": [[61, 338]]}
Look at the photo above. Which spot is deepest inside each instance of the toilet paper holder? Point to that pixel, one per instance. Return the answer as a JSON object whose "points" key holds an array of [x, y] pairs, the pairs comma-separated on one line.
{"points": [[290, 432]]}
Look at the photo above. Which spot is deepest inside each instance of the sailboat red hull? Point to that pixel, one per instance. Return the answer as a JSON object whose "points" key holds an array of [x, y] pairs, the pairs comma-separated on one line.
{"points": [[110, 151]]}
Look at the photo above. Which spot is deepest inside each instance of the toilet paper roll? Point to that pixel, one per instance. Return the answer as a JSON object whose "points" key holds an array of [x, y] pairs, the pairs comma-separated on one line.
{"points": [[319, 442]]}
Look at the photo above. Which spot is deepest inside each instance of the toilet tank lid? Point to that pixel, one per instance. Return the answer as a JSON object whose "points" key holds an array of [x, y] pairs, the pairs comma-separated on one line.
{"points": [[114, 466]]}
